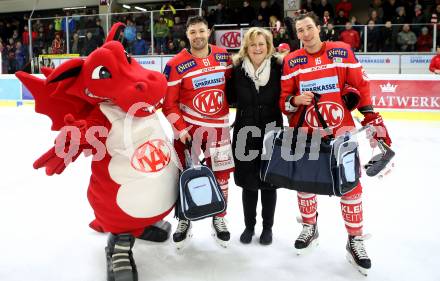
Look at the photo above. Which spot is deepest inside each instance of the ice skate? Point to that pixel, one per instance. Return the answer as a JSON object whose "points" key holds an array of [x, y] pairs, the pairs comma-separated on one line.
{"points": [[357, 255], [182, 234], [307, 239], [120, 262], [220, 231]]}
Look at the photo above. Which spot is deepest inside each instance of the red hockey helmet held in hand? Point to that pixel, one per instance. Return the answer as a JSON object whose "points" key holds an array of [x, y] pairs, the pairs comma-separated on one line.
{"points": [[351, 97]]}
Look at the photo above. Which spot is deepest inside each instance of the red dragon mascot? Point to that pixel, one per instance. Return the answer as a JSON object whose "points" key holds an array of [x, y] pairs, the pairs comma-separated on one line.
{"points": [[105, 105]]}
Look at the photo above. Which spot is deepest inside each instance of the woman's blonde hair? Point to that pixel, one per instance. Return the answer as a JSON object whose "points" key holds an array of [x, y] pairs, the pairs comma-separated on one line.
{"points": [[249, 36]]}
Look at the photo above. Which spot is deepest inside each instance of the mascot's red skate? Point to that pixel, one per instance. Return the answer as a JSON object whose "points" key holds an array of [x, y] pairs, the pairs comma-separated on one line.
{"points": [[105, 105]]}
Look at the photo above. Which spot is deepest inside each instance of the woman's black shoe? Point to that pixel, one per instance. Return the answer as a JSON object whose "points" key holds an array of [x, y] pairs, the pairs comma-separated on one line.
{"points": [[246, 236], [266, 236]]}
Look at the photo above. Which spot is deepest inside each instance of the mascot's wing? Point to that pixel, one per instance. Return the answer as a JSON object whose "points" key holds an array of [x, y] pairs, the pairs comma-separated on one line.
{"points": [[48, 99]]}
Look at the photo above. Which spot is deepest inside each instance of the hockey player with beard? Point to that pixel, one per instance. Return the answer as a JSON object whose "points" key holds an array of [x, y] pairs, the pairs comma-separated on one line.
{"points": [[326, 68], [195, 104]]}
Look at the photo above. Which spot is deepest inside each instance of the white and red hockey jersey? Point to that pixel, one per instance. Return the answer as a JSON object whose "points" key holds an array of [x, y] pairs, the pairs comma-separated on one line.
{"points": [[326, 73], [196, 89]]}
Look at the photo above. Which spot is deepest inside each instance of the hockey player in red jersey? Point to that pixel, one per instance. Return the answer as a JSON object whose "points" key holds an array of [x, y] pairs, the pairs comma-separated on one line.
{"points": [[195, 104], [327, 68]]}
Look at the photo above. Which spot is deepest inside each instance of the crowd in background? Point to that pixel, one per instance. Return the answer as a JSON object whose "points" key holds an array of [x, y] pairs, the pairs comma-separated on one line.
{"points": [[392, 25], [388, 28]]}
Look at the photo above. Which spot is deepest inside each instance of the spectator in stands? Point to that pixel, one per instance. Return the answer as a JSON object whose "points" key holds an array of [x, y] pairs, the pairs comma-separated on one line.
{"points": [[172, 48], [424, 41], [325, 18], [20, 55], [309, 6], [50, 33], [374, 16], [340, 19], [220, 16], [345, 6], [373, 37], [400, 17], [39, 46], [357, 26], [389, 10], [350, 36], [274, 25], [276, 9], [69, 22], [284, 38], [406, 39], [418, 20], [435, 19], [75, 45], [168, 12], [329, 33], [388, 38], [57, 23], [25, 39], [160, 35], [100, 35], [434, 66], [129, 35], [324, 6], [264, 10], [376, 5], [178, 30], [140, 46], [90, 44], [57, 44], [4, 54], [247, 12], [182, 45], [259, 22], [12, 63]]}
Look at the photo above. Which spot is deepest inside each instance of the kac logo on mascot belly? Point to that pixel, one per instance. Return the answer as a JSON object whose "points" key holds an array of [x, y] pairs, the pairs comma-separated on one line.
{"points": [[209, 102], [231, 39], [151, 157], [332, 113]]}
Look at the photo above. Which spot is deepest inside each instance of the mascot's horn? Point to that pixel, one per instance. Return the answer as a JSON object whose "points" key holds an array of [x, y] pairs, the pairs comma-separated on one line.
{"points": [[116, 32]]}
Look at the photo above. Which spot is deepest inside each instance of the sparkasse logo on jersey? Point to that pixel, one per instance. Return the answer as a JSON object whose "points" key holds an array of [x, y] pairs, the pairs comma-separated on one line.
{"points": [[151, 157], [208, 80], [209, 102], [333, 114], [321, 86]]}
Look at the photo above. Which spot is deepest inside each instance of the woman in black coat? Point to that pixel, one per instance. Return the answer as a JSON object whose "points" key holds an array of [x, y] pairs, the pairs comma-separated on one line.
{"points": [[254, 89]]}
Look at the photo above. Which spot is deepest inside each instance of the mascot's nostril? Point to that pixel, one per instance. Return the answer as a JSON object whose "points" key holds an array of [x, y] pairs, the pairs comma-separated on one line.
{"points": [[140, 87]]}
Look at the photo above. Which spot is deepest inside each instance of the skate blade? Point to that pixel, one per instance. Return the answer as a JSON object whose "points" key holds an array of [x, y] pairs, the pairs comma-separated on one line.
{"points": [[313, 245], [361, 270], [182, 244], [221, 243]]}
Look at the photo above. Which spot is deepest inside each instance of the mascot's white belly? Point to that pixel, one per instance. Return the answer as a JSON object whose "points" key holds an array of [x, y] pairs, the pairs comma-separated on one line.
{"points": [[143, 162]]}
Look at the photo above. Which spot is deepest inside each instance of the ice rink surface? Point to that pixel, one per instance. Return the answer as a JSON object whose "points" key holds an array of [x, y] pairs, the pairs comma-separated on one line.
{"points": [[45, 235]]}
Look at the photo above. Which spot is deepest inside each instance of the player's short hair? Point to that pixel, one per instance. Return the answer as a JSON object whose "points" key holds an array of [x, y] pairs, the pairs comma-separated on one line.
{"points": [[311, 15], [195, 20]]}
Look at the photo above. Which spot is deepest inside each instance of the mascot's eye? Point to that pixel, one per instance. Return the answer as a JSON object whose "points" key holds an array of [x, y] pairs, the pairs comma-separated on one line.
{"points": [[101, 72]]}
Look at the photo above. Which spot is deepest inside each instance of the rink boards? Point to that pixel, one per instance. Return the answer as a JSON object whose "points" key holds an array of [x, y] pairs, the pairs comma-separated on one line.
{"points": [[396, 96]]}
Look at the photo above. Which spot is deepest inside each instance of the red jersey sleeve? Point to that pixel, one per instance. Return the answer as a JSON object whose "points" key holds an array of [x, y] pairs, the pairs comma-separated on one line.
{"points": [[357, 78], [171, 102], [288, 85]]}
